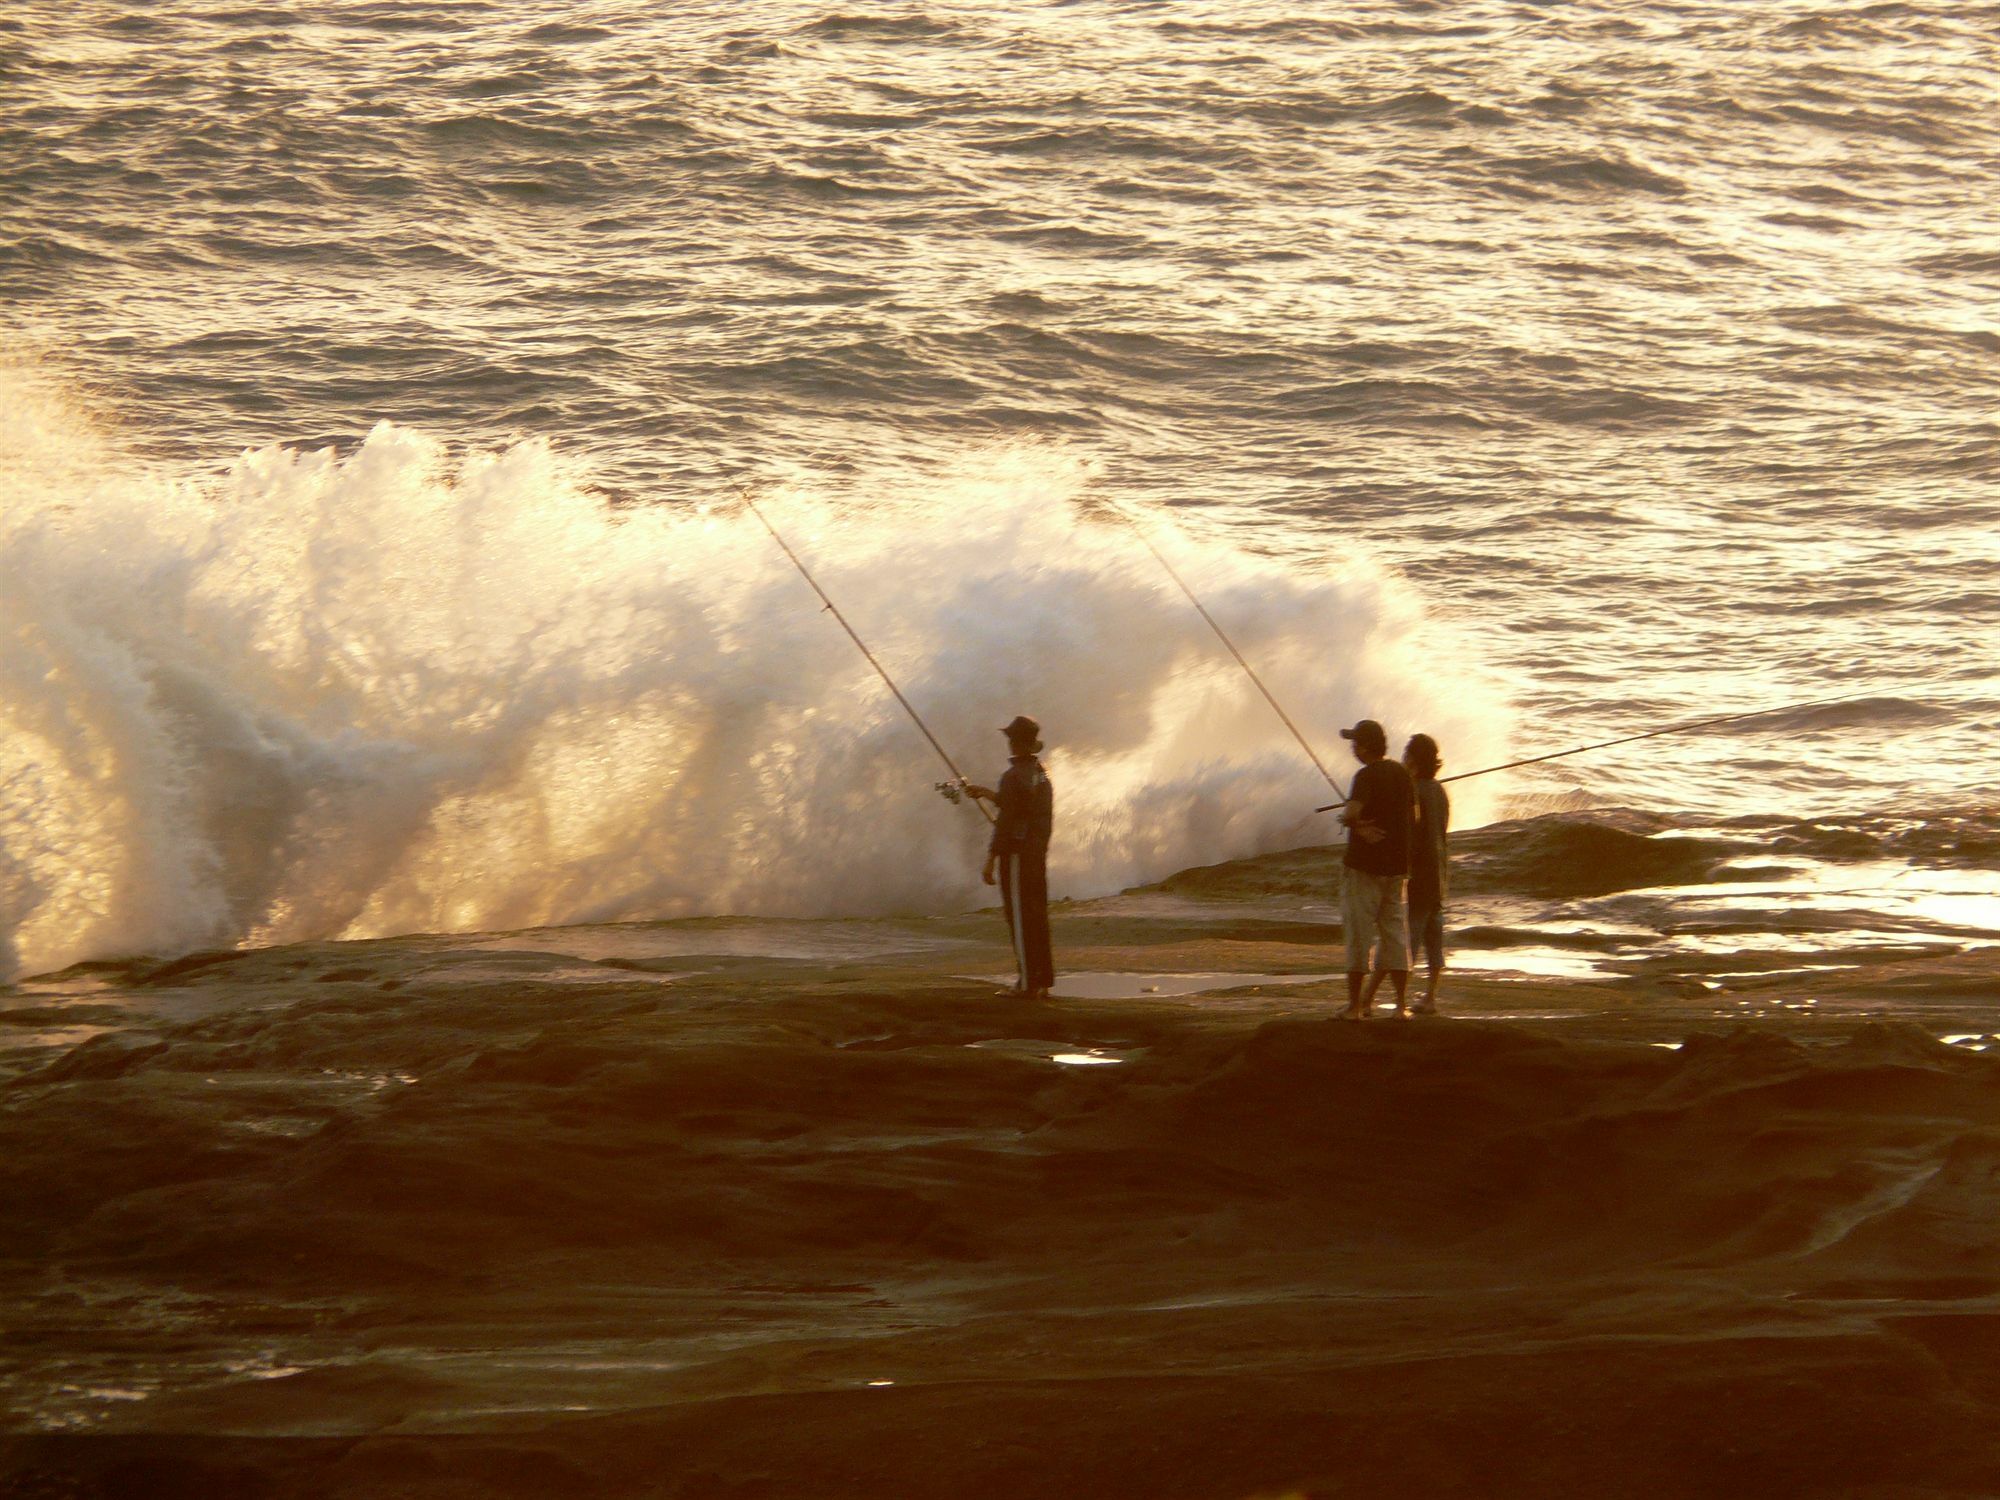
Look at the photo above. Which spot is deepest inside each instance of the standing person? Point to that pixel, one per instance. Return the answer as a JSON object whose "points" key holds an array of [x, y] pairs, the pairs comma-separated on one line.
{"points": [[1428, 862], [1379, 813], [1017, 860]]}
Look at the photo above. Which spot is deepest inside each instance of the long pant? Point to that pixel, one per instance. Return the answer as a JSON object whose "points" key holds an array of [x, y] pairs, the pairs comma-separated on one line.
{"points": [[1024, 892]]}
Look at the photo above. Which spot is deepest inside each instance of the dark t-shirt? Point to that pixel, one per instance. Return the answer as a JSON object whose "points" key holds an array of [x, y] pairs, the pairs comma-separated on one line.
{"points": [[1027, 809], [1388, 800]]}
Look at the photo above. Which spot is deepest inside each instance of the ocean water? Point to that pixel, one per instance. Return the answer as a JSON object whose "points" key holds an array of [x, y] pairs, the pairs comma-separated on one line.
{"points": [[378, 380]]}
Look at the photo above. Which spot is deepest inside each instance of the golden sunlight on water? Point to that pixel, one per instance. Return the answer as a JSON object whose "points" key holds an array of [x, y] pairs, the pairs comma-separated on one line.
{"points": [[522, 1020], [1623, 367]]}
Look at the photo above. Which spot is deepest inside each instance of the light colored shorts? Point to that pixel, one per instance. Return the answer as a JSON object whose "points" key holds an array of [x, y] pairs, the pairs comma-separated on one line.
{"points": [[1374, 919]]}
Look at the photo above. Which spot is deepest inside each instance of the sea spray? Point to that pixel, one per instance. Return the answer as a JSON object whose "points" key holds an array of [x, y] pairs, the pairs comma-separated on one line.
{"points": [[403, 690]]}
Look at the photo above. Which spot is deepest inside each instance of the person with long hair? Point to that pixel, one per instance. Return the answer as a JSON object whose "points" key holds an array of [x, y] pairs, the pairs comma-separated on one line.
{"points": [[1429, 858]]}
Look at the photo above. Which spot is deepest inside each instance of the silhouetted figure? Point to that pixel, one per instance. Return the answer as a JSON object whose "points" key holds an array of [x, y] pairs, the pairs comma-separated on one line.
{"points": [[1429, 857], [1017, 860], [1379, 815]]}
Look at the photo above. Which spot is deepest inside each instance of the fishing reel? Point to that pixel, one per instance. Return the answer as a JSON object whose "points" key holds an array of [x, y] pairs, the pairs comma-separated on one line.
{"points": [[952, 791]]}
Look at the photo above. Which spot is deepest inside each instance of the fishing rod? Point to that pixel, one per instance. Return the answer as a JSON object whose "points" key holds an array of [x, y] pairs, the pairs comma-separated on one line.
{"points": [[952, 789], [1651, 734], [1222, 636]]}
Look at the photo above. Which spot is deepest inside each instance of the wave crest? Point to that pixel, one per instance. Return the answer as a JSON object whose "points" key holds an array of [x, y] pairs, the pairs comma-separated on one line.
{"points": [[403, 691]]}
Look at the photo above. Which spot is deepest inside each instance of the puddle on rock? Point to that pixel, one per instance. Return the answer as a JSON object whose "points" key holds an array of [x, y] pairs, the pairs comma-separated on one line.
{"points": [[1064, 1055], [1134, 986]]}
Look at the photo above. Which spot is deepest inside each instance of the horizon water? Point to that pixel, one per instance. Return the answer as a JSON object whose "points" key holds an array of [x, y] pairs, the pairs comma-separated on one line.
{"points": [[377, 380]]}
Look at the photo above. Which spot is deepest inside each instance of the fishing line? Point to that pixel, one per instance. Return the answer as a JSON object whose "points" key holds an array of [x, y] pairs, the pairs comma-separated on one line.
{"points": [[1222, 636], [1651, 734], [951, 788]]}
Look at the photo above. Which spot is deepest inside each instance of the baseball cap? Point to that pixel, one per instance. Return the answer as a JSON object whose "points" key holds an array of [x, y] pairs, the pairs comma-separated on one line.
{"points": [[1368, 732]]}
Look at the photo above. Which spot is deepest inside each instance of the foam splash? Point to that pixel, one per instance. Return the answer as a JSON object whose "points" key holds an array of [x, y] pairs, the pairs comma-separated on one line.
{"points": [[411, 691]]}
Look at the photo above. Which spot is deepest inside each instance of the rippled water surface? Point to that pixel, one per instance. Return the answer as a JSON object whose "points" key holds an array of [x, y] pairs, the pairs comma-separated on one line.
{"points": [[1655, 344]]}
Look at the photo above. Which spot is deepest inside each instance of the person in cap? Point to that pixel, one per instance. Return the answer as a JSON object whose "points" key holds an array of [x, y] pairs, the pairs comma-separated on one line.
{"points": [[1428, 859], [1379, 815], [1017, 859]]}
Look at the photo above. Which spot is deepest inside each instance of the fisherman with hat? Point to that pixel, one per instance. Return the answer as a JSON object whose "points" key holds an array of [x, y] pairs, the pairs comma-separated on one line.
{"points": [[1379, 815], [1017, 858]]}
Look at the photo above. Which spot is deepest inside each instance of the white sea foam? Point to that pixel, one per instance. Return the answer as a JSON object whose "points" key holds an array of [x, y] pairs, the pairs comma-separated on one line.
{"points": [[411, 690]]}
